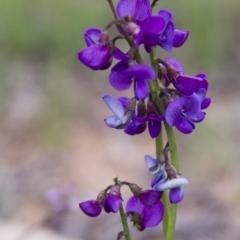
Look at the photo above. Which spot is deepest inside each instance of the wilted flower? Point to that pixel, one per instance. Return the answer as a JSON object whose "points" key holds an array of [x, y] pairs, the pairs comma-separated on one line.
{"points": [[113, 200]]}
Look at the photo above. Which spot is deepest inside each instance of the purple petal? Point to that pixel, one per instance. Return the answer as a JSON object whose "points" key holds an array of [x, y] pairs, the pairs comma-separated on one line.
{"points": [[134, 205], [198, 117], [91, 208], [112, 203], [124, 101], [113, 122], [159, 178], [115, 106], [152, 215], [189, 84], [139, 120], [91, 36], [201, 94], [133, 129], [150, 197], [180, 37], [184, 126], [118, 79], [191, 106], [150, 40], [154, 128], [154, 24], [176, 195], [181, 108], [119, 55], [95, 57], [205, 103], [141, 90], [166, 38], [167, 15], [142, 9], [141, 71], [175, 64], [152, 164], [126, 7]]}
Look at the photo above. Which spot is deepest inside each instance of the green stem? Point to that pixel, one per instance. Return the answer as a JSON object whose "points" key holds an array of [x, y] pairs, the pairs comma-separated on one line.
{"points": [[124, 223], [169, 220], [166, 214]]}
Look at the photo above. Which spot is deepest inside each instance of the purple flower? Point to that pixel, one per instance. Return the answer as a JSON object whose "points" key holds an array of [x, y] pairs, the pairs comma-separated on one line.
{"points": [[152, 164], [176, 195], [144, 116], [159, 30], [171, 37], [147, 197], [138, 10], [98, 54], [180, 37], [121, 109], [113, 200], [183, 112], [92, 208], [122, 76], [144, 216], [150, 30]]}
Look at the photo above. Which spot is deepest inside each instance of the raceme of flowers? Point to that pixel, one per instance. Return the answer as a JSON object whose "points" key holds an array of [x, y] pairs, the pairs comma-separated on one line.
{"points": [[184, 98]]}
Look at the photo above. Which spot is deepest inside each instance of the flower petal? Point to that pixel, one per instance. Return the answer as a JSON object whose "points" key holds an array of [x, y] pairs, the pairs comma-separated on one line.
{"points": [[115, 106], [154, 24], [189, 84], [139, 120], [191, 106], [174, 111], [167, 15], [141, 90], [95, 57], [180, 37], [176, 195], [133, 129], [112, 203], [154, 128], [153, 215], [152, 164], [159, 178], [198, 117], [134, 205], [91, 36], [112, 121], [119, 55], [150, 197], [124, 101], [175, 64], [126, 7], [91, 208], [166, 38], [140, 71], [205, 103], [118, 79], [184, 125], [142, 10]]}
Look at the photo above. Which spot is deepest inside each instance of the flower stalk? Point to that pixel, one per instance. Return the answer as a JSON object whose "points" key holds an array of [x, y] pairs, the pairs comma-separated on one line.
{"points": [[124, 223]]}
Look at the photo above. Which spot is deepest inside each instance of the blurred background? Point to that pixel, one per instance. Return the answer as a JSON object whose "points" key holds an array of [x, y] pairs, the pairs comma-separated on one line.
{"points": [[52, 134]]}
